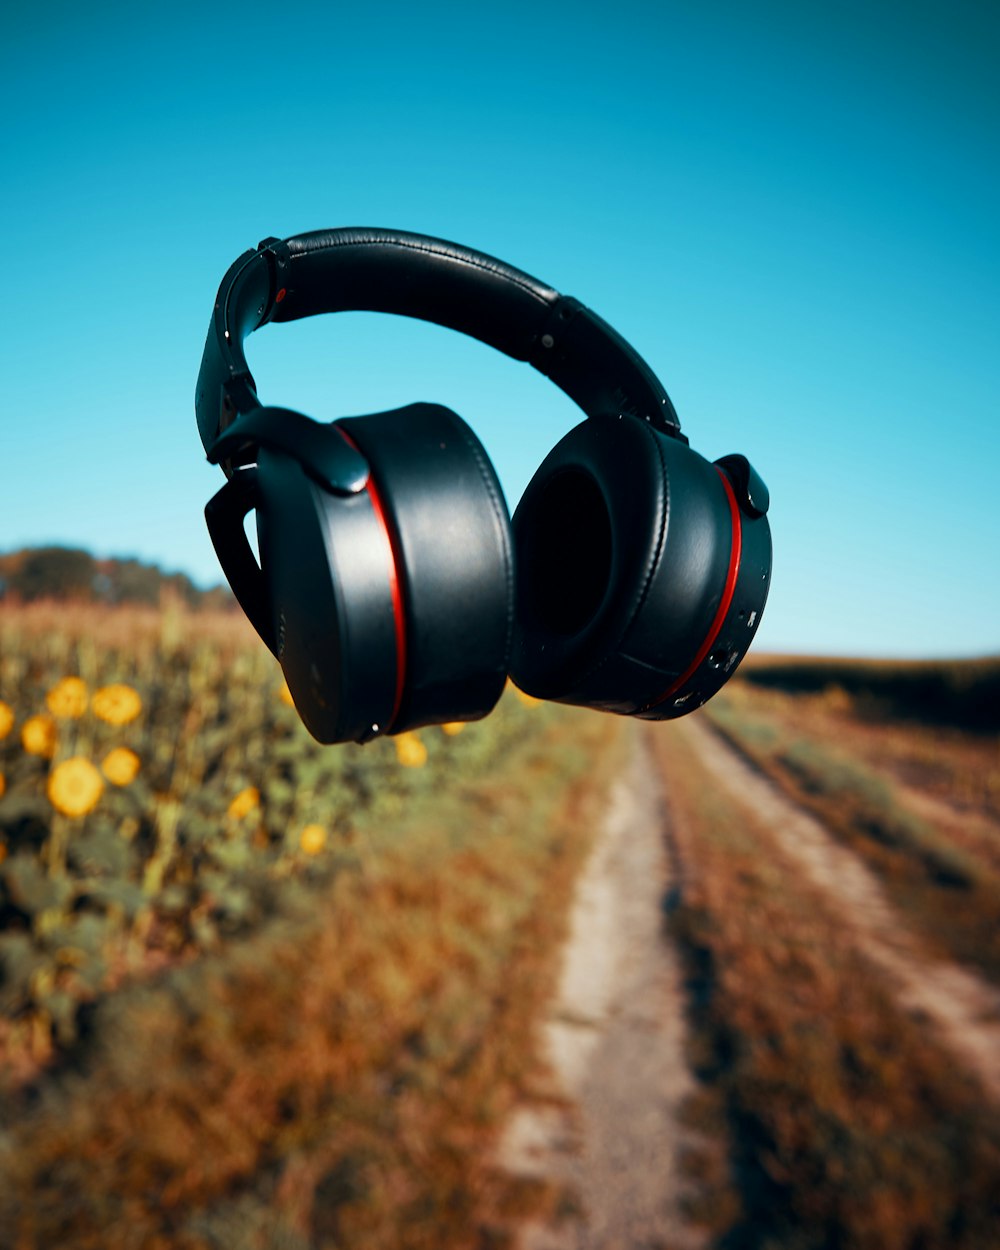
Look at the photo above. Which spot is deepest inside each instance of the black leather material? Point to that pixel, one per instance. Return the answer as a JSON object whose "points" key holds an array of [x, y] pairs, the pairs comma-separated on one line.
{"points": [[446, 508], [386, 583], [328, 568], [412, 275], [415, 276], [622, 543]]}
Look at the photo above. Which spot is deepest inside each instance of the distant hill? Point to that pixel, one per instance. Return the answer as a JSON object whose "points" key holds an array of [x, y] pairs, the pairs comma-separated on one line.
{"points": [[964, 694], [72, 573]]}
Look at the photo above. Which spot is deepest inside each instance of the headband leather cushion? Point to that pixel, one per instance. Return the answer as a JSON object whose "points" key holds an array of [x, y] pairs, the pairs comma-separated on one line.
{"points": [[622, 544], [451, 533]]}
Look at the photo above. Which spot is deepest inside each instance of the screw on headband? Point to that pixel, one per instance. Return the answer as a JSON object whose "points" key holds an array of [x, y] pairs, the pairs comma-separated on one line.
{"points": [[430, 279]]}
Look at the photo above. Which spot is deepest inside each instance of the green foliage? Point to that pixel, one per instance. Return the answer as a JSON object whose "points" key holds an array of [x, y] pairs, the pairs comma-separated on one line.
{"points": [[331, 1035], [51, 572], [169, 859], [62, 573]]}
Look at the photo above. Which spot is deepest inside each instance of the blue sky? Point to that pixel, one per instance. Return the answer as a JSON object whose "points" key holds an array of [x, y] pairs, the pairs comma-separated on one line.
{"points": [[791, 211]]}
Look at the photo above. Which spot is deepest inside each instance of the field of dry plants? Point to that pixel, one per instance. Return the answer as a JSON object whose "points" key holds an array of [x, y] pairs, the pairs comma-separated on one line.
{"points": [[259, 993], [838, 841], [255, 991]]}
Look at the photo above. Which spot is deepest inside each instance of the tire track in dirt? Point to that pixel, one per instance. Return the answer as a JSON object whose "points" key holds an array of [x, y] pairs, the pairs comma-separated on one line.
{"points": [[614, 1041], [962, 1008]]}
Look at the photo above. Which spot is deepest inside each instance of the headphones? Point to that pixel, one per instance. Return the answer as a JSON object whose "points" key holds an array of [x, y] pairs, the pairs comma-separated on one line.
{"points": [[393, 587]]}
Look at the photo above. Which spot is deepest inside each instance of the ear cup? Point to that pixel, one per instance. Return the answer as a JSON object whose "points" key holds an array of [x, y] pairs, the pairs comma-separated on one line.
{"points": [[623, 542], [450, 534], [329, 575]]}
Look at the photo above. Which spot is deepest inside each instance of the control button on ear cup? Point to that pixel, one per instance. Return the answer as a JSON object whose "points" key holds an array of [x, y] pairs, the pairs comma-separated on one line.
{"points": [[450, 530], [741, 602]]}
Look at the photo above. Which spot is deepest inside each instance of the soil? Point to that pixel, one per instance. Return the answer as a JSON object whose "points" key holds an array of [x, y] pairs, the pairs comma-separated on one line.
{"points": [[614, 1039], [959, 1006]]}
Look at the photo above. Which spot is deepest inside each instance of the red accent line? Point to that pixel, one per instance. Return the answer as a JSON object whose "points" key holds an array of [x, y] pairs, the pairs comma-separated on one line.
{"points": [[727, 595], [395, 562]]}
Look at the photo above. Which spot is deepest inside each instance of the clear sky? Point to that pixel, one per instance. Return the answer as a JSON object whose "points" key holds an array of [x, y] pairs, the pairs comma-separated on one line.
{"points": [[791, 210]]}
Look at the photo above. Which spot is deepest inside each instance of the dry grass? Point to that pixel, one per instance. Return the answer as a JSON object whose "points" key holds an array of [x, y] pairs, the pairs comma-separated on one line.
{"points": [[943, 874], [847, 1127], [134, 627], [334, 1070]]}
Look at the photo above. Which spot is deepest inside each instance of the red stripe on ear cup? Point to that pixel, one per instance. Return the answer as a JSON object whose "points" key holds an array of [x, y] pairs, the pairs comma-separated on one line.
{"points": [[728, 591], [395, 589]]}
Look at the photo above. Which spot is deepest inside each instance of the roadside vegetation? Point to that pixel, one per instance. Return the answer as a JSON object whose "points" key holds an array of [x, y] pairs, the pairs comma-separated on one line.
{"points": [[864, 778], [846, 1124], [255, 991]]}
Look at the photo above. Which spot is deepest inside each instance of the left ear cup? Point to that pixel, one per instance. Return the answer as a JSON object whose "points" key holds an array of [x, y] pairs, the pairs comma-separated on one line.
{"points": [[448, 526], [625, 542], [328, 572]]}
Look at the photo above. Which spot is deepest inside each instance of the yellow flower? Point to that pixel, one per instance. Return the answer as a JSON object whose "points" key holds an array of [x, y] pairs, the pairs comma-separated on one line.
{"points": [[410, 751], [6, 719], [117, 704], [38, 736], [120, 766], [74, 787], [312, 839], [68, 698], [285, 695], [244, 803], [454, 727]]}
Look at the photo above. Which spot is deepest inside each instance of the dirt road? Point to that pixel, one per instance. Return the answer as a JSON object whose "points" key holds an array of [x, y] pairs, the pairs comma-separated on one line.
{"points": [[615, 1044], [615, 1036], [962, 1008]]}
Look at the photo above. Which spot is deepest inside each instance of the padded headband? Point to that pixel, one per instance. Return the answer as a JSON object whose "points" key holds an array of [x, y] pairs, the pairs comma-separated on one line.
{"points": [[412, 275]]}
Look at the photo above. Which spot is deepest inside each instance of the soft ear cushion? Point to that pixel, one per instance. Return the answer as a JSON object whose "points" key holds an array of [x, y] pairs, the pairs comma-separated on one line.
{"points": [[450, 534], [622, 543]]}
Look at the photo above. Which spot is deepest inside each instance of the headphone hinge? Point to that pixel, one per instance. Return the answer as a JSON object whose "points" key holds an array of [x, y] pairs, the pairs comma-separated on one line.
{"points": [[279, 268]]}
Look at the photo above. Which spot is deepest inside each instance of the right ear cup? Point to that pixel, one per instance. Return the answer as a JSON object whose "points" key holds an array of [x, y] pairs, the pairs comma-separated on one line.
{"points": [[625, 542]]}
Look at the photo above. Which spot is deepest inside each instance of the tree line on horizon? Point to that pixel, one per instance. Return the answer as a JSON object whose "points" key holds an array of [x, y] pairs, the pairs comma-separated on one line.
{"points": [[72, 573]]}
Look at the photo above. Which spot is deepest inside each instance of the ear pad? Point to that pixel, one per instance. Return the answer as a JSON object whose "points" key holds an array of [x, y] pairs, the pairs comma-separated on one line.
{"points": [[446, 518], [627, 545]]}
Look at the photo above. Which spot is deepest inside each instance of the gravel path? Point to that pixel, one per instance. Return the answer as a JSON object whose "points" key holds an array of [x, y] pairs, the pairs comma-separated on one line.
{"points": [[615, 1044]]}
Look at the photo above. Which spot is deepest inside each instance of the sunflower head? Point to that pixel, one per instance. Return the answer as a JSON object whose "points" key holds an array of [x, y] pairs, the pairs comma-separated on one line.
{"points": [[117, 704], [75, 786], [120, 766], [6, 719], [38, 736], [68, 698], [312, 839], [410, 751], [244, 803]]}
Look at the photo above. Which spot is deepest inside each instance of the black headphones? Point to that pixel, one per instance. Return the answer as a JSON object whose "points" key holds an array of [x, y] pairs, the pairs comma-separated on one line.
{"points": [[393, 588]]}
